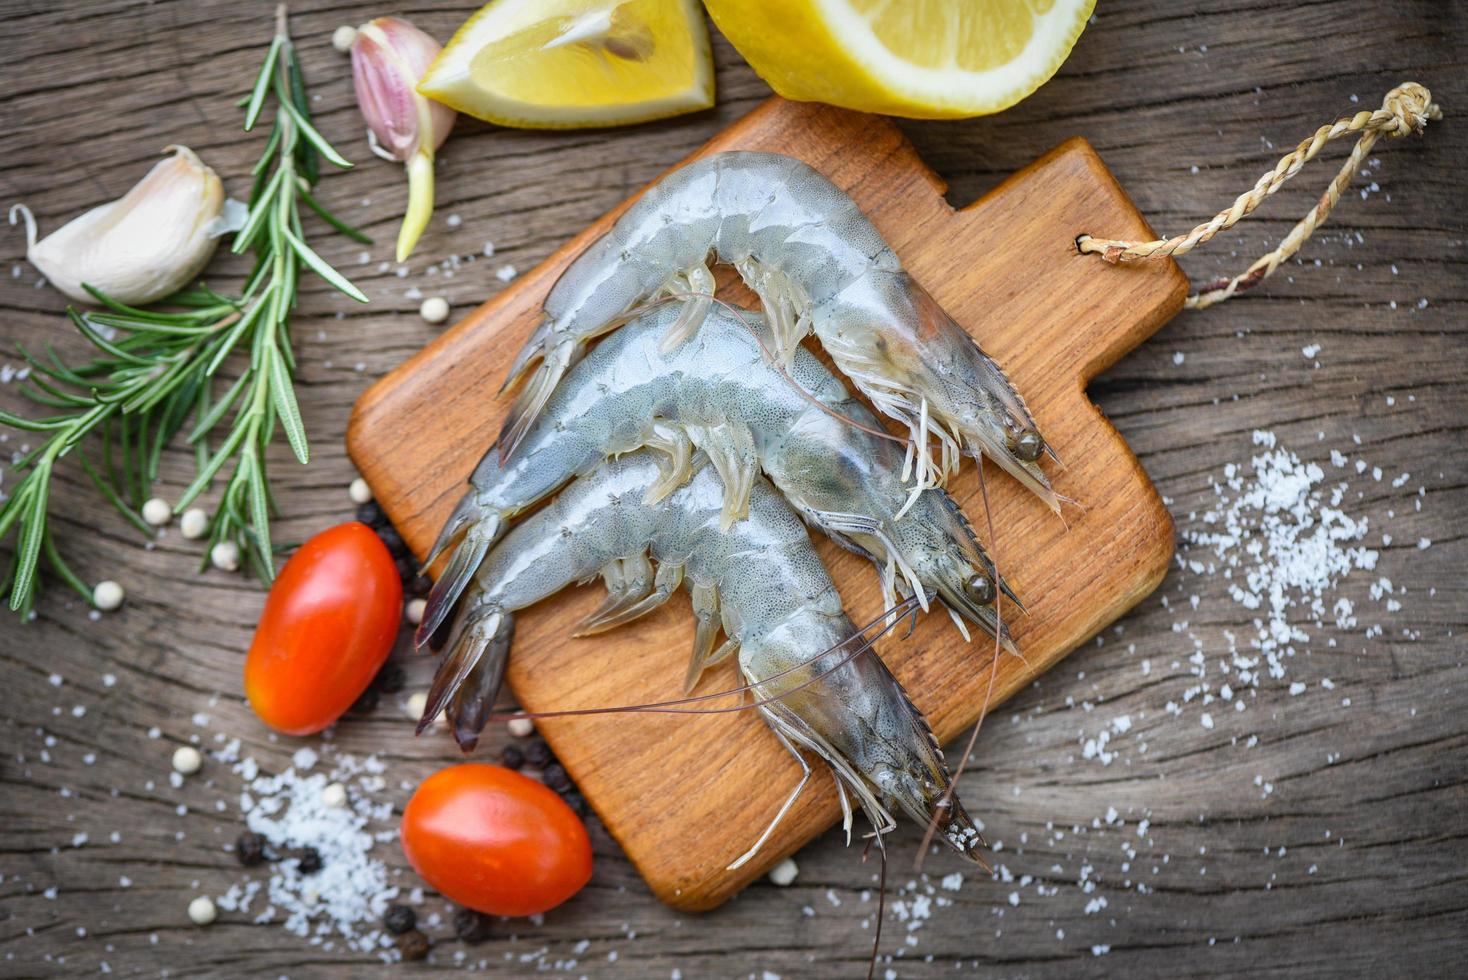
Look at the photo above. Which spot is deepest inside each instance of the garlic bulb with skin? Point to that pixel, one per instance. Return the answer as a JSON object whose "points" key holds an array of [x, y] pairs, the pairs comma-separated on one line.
{"points": [[145, 245], [389, 56]]}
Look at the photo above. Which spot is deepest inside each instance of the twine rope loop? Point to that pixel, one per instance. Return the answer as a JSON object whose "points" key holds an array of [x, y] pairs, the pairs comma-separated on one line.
{"points": [[1406, 109]]}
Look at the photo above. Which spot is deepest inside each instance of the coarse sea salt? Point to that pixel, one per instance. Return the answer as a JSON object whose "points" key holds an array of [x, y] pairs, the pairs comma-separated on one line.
{"points": [[1278, 538], [348, 896], [1283, 544]]}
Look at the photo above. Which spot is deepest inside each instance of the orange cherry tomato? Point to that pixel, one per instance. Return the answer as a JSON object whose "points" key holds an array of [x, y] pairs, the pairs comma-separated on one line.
{"points": [[495, 841], [329, 623]]}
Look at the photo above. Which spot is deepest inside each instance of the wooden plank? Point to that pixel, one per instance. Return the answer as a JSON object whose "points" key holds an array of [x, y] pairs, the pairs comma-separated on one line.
{"points": [[1006, 268], [96, 88]]}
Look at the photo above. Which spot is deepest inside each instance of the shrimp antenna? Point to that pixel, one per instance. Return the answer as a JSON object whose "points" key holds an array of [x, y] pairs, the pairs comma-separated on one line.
{"points": [[739, 314], [881, 900], [675, 707], [946, 801]]}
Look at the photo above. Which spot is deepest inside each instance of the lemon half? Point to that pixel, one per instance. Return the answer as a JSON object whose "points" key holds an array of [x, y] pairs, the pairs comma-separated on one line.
{"points": [[559, 64], [931, 59]]}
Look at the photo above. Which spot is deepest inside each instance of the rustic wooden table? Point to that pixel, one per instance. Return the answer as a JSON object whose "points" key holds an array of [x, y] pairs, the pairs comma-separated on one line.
{"points": [[1321, 830]]}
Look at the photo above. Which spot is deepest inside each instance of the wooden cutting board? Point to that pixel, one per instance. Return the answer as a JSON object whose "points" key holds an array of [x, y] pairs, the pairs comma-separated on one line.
{"points": [[684, 795]]}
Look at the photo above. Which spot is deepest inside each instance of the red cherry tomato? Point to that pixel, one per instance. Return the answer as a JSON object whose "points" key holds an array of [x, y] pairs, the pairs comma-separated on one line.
{"points": [[329, 623], [495, 841]]}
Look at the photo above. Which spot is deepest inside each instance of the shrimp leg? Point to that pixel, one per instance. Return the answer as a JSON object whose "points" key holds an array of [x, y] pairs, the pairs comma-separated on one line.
{"points": [[785, 807], [706, 613], [785, 304], [674, 471], [730, 448], [705, 599], [637, 599], [698, 284]]}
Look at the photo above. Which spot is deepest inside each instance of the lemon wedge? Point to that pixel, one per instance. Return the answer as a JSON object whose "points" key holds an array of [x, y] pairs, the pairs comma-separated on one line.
{"points": [[931, 59], [560, 64]]}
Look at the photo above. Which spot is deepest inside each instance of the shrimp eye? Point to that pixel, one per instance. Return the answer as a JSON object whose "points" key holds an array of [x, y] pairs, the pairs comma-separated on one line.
{"points": [[1028, 445], [980, 589]]}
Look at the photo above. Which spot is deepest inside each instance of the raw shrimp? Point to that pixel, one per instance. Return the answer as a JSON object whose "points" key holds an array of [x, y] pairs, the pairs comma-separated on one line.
{"points": [[818, 265], [761, 580], [718, 393]]}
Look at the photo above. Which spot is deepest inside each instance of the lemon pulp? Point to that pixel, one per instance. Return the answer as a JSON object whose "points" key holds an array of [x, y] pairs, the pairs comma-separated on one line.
{"points": [[563, 63]]}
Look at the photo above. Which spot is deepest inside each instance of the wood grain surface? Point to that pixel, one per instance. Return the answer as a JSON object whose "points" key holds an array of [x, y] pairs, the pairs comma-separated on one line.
{"points": [[1006, 268], [1303, 836]]}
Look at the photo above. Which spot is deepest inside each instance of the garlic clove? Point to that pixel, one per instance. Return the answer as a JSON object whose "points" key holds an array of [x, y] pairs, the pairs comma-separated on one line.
{"points": [[389, 57], [142, 247]]}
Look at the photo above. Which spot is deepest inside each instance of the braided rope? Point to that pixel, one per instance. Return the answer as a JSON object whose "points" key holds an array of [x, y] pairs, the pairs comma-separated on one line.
{"points": [[1406, 109]]}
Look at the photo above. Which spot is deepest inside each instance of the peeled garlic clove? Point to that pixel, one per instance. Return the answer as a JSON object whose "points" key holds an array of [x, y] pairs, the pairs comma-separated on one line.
{"points": [[142, 247], [389, 56]]}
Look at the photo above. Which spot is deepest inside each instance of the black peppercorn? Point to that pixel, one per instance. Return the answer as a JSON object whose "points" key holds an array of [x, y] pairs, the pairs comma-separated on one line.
{"points": [[394, 541], [470, 926], [576, 802], [419, 585], [310, 861], [413, 945], [538, 754], [399, 919], [556, 777], [511, 757], [389, 678], [367, 703], [369, 513], [250, 849]]}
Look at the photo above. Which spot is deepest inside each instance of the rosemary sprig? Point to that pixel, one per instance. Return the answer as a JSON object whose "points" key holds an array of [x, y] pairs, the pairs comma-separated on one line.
{"points": [[154, 371]]}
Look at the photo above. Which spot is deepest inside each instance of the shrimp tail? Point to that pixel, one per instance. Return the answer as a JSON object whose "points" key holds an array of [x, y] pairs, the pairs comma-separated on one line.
{"points": [[473, 702], [534, 349], [479, 646], [533, 396], [467, 512], [483, 528]]}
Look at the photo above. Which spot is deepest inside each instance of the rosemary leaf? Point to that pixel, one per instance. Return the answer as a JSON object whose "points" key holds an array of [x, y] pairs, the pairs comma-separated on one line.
{"points": [[31, 533], [333, 220], [323, 270], [63, 569], [15, 505], [31, 425], [106, 490], [263, 83], [211, 416], [286, 408], [260, 514], [315, 138]]}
